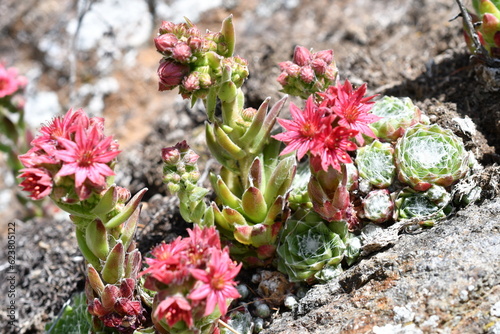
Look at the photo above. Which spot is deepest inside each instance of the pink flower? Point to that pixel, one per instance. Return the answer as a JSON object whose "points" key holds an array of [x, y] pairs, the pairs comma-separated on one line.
{"points": [[87, 158], [37, 181], [168, 264], [174, 309], [216, 284], [9, 83], [352, 108], [335, 144], [60, 127], [36, 157], [302, 132], [171, 74], [203, 238]]}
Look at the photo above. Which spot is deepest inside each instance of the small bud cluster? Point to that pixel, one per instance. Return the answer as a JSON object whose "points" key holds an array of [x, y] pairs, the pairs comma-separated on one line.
{"points": [[308, 73], [194, 62], [180, 166], [194, 282]]}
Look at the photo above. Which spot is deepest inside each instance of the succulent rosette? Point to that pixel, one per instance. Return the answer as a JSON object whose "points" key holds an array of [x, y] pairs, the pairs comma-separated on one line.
{"points": [[378, 206], [307, 247], [397, 115], [428, 205], [428, 155], [375, 164]]}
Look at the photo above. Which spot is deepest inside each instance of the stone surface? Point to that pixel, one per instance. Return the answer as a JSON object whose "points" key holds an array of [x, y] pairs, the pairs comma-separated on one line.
{"points": [[443, 280]]}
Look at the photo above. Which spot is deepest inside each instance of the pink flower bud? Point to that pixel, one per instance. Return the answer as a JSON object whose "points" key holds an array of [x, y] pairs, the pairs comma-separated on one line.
{"points": [[171, 74], [285, 65], [123, 194], [301, 56], [325, 55], [165, 42], [193, 32], [166, 27], [195, 43], [170, 155], [190, 158], [319, 66], [307, 74], [191, 82], [283, 79], [293, 70], [182, 146], [181, 52], [331, 72]]}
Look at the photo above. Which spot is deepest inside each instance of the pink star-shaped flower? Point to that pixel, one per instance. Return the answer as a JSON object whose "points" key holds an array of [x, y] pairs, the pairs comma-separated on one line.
{"points": [[302, 132], [351, 108], [216, 284], [335, 144], [87, 158]]}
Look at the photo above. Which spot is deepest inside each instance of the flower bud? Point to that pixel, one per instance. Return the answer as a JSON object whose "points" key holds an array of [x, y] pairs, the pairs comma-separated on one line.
{"points": [[165, 42], [195, 43], [282, 79], [170, 155], [325, 55], [191, 82], [166, 27], [301, 56], [123, 194], [319, 66], [181, 52], [307, 74], [171, 74]]}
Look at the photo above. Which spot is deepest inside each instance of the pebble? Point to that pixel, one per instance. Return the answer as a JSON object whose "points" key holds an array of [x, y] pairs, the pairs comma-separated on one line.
{"points": [[495, 310]]}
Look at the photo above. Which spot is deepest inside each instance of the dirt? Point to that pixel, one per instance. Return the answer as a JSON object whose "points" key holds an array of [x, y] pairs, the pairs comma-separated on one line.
{"points": [[400, 48]]}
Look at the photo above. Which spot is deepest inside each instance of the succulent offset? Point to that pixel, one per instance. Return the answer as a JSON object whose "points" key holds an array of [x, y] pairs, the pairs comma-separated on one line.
{"points": [[378, 206], [426, 206], [397, 115], [428, 155], [375, 164]]}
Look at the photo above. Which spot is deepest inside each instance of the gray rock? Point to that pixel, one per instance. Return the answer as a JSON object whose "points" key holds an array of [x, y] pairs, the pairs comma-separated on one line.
{"points": [[442, 280]]}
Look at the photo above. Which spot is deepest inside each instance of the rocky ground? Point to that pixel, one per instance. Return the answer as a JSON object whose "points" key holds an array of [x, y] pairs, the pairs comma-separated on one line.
{"points": [[442, 280]]}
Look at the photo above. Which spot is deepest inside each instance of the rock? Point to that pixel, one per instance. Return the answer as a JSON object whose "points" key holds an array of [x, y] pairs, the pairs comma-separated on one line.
{"points": [[444, 279]]}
